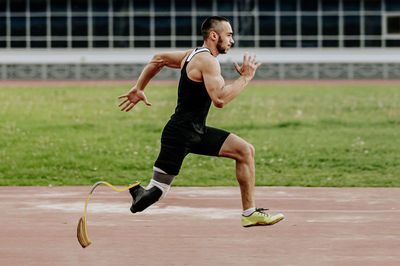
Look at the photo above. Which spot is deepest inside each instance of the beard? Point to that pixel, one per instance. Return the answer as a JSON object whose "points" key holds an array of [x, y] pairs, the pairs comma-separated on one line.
{"points": [[219, 47]]}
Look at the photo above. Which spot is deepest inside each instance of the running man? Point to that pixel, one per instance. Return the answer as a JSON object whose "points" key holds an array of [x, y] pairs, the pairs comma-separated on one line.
{"points": [[186, 132]]}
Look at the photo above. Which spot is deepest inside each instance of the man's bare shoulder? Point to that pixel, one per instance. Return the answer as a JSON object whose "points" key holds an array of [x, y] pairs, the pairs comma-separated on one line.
{"points": [[207, 61], [207, 56], [188, 52], [185, 54]]}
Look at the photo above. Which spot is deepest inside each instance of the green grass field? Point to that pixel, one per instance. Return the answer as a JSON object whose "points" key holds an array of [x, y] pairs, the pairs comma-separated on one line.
{"points": [[303, 135]]}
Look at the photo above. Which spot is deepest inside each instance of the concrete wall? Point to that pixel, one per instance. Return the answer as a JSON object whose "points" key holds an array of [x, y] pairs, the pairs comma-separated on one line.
{"points": [[128, 64]]}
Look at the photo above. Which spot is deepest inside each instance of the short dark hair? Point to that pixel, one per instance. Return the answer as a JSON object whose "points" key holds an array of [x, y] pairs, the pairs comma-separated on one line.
{"points": [[209, 24]]}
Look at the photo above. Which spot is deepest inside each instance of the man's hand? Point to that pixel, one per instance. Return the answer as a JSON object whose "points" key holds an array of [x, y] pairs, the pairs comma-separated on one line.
{"points": [[249, 66], [132, 98]]}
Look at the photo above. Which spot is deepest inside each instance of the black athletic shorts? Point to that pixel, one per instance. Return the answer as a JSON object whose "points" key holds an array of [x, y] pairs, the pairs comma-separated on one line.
{"points": [[176, 143]]}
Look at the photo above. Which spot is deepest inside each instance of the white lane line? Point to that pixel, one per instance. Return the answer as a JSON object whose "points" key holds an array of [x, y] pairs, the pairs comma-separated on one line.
{"points": [[115, 207], [208, 213]]}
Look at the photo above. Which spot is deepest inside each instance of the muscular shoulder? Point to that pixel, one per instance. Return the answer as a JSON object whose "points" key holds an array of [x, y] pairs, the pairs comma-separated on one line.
{"points": [[207, 58], [201, 64], [206, 62]]}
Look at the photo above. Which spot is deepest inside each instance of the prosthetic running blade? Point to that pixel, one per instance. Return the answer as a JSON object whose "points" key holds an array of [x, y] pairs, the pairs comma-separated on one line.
{"points": [[81, 231]]}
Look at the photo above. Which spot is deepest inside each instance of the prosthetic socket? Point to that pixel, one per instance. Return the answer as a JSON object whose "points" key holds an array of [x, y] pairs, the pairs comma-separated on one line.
{"points": [[157, 189]]}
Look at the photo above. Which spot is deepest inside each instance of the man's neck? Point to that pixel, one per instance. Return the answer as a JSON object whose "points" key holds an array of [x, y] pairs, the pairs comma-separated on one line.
{"points": [[213, 50]]}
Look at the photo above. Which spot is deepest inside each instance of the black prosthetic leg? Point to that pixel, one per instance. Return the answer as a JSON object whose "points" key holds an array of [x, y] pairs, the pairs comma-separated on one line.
{"points": [[143, 198]]}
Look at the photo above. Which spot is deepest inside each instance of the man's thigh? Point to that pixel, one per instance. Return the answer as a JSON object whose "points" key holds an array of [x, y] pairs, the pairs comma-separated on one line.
{"points": [[211, 142], [233, 147]]}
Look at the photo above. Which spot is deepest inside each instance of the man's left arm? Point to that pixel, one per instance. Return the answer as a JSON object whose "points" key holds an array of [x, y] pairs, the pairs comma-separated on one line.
{"points": [[220, 93]]}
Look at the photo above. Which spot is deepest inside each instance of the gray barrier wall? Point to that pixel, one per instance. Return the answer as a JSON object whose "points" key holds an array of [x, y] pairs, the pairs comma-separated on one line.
{"points": [[59, 71]]}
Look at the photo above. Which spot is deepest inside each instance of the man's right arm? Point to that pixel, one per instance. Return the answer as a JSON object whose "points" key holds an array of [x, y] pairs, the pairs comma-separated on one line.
{"points": [[136, 94], [169, 59], [220, 93]]}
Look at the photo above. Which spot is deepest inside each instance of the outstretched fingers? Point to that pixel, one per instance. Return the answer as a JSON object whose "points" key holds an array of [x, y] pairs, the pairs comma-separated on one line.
{"points": [[245, 60], [237, 67], [124, 101], [146, 101], [253, 59], [128, 106]]}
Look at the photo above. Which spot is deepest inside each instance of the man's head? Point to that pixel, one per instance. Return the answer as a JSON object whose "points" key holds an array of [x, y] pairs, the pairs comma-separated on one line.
{"points": [[218, 30]]}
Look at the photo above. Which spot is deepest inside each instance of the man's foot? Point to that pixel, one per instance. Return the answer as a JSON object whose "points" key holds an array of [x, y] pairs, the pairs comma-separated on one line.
{"points": [[143, 198], [261, 218]]}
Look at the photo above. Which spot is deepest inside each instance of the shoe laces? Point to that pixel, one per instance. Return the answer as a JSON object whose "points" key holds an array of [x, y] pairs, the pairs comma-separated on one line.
{"points": [[261, 210]]}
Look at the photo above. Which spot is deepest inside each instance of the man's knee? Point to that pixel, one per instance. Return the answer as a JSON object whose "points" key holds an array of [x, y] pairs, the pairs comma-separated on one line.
{"points": [[252, 150], [246, 152], [238, 149]]}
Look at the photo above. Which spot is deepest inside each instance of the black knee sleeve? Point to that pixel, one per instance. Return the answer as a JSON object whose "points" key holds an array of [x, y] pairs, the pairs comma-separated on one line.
{"points": [[143, 198]]}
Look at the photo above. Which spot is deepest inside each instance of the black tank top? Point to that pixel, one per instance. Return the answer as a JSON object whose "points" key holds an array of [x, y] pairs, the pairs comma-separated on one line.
{"points": [[193, 101]]}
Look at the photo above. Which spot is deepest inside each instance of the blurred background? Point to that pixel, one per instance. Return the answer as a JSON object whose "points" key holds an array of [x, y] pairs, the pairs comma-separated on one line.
{"points": [[113, 39]]}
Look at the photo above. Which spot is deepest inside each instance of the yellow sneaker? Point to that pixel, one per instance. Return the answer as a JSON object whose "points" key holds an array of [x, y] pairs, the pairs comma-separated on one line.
{"points": [[261, 218]]}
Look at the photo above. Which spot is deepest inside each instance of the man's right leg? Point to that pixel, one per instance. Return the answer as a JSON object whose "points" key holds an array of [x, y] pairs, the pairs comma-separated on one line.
{"points": [[242, 152], [236, 148]]}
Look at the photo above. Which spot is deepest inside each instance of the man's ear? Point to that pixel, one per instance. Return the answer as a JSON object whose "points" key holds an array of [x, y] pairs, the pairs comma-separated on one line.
{"points": [[213, 35]]}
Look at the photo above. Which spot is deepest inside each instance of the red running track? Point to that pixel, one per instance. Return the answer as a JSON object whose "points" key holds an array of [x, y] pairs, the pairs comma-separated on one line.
{"points": [[201, 226]]}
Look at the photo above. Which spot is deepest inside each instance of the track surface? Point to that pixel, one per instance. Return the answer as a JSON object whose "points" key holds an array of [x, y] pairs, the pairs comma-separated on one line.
{"points": [[201, 226]]}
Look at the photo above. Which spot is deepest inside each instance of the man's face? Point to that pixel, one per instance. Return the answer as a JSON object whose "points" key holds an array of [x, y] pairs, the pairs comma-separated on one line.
{"points": [[225, 37]]}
